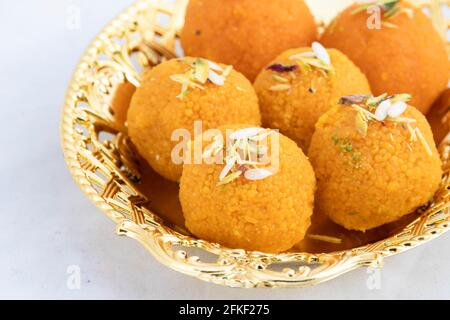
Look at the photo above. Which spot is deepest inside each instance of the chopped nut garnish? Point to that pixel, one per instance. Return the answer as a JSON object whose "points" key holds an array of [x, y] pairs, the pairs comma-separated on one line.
{"points": [[321, 53], [280, 79], [200, 71], [257, 174], [361, 123], [317, 58], [375, 101], [244, 153], [226, 72], [325, 238], [412, 132], [424, 142], [346, 147], [386, 109], [280, 87], [230, 178], [355, 99], [278, 67]]}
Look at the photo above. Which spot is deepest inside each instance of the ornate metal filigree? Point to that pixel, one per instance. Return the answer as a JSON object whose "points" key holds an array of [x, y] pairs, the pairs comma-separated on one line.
{"points": [[103, 163]]}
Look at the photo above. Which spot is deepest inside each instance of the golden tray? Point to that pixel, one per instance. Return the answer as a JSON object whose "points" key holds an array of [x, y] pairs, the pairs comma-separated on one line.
{"points": [[146, 208]]}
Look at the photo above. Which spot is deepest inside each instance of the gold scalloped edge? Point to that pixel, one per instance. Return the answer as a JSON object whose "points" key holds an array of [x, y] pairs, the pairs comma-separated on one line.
{"points": [[97, 166]]}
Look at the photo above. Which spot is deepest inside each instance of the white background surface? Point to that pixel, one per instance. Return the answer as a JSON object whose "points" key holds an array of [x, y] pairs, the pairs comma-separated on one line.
{"points": [[48, 224]]}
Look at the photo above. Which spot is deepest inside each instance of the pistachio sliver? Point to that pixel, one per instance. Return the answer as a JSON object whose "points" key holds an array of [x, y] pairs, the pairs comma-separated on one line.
{"points": [[230, 178], [323, 238], [201, 71], [361, 123], [280, 87]]}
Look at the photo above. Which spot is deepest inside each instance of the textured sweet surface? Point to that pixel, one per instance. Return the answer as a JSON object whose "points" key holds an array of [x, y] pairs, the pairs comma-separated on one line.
{"points": [[410, 57], [365, 182], [439, 117], [269, 215], [296, 111], [155, 112], [246, 33], [92, 245]]}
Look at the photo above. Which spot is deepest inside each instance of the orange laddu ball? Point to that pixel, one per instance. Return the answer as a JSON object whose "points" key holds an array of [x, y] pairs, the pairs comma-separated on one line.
{"points": [[403, 53], [246, 33], [121, 102], [265, 206], [375, 161], [302, 84], [174, 95], [439, 117]]}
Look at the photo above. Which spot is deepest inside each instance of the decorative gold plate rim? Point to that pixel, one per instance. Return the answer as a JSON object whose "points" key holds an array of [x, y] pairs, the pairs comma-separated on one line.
{"points": [[96, 168]]}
